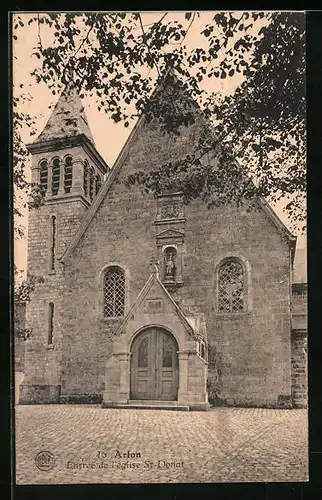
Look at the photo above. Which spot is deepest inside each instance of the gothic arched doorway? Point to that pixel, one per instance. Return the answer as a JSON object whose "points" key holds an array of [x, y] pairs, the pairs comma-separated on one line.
{"points": [[154, 365]]}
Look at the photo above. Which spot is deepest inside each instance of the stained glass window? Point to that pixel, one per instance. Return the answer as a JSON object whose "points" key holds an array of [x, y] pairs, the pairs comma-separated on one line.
{"points": [[114, 291], [231, 287]]}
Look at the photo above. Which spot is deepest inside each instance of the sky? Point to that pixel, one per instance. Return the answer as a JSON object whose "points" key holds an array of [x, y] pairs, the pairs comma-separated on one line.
{"points": [[109, 137]]}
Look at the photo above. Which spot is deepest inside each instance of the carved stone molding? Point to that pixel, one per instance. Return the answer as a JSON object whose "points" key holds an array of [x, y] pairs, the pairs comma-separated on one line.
{"points": [[169, 237], [170, 207], [169, 241]]}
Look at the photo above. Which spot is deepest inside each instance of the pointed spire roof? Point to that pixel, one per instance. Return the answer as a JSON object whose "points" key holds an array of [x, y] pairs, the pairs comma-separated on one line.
{"points": [[68, 118]]}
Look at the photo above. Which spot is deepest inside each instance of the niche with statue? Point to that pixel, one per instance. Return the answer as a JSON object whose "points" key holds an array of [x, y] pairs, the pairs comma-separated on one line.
{"points": [[170, 257], [170, 230], [169, 266]]}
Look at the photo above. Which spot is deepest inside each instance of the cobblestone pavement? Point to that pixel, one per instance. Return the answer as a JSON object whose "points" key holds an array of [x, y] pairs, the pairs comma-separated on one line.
{"points": [[222, 445]]}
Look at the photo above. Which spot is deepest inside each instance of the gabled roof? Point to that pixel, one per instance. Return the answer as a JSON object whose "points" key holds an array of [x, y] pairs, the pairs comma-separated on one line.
{"points": [[284, 231], [68, 118], [116, 169], [153, 279]]}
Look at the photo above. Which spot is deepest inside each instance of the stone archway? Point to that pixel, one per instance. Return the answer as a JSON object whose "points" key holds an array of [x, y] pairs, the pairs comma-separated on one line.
{"points": [[154, 365]]}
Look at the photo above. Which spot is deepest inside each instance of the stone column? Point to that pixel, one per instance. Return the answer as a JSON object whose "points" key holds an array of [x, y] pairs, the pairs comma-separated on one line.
{"points": [[78, 177], [61, 190], [124, 363], [117, 376], [34, 173], [192, 378], [183, 357]]}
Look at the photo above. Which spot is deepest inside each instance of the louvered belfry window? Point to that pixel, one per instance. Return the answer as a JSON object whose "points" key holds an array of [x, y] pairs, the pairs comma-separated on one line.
{"points": [[86, 178], [231, 287], [55, 176], [91, 183], [43, 175], [114, 292], [68, 171], [98, 183]]}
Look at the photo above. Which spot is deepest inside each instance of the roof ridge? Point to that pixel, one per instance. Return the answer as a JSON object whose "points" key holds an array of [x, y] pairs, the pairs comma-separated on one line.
{"points": [[116, 169]]}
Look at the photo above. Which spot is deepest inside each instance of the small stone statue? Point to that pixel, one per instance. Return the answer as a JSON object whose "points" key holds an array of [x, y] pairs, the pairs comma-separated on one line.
{"points": [[170, 267]]}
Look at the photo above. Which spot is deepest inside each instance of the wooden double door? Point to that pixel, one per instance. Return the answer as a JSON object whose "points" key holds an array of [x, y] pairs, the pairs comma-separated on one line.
{"points": [[154, 366]]}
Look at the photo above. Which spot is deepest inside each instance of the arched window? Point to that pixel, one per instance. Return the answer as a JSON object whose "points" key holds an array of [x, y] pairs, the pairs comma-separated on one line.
{"points": [[55, 176], [86, 178], [50, 323], [114, 292], [98, 184], [231, 287], [52, 242], [43, 175], [91, 183], [68, 174]]}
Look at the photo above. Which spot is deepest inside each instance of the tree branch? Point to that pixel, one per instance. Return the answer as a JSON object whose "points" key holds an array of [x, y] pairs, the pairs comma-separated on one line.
{"points": [[85, 39], [146, 44], [221, 46], [160, 20], [39, 37], [193, 18]]}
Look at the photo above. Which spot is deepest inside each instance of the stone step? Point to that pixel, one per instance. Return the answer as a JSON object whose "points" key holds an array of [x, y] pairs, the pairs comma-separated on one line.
{"points": [[148, 405], [153, 402]]}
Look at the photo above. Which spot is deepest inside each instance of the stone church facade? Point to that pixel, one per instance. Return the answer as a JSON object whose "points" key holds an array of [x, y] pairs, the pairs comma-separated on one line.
{"points": [[146, 300]]}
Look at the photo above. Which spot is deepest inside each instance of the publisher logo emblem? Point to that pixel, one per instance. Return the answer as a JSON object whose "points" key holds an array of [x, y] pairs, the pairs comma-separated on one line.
{"points": [[45, 460]]}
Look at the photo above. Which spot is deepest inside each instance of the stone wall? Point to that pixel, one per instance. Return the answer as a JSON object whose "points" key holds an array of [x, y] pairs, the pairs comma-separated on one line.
{"points": [[299, 346], [43, 361], [299, 369], [252, 363], [19, 343], [253, 348]]}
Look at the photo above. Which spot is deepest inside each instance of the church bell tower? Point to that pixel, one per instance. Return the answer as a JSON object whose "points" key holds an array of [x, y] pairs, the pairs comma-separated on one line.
{"points": [[69, 171]]}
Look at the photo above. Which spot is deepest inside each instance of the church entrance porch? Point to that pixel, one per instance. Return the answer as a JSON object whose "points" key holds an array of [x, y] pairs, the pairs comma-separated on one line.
{"points": [[154, 366], [156, 357]]}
